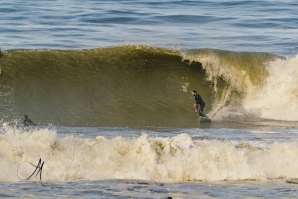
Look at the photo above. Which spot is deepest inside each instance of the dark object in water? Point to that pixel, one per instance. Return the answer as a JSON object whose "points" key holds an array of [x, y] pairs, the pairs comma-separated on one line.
{"points": [[292, 181], [27, 121]]}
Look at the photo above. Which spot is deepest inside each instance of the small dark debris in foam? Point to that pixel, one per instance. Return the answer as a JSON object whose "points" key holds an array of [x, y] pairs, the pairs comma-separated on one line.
{"points": [[137, 183], [143, 183], [136, 187], [292, 181]]}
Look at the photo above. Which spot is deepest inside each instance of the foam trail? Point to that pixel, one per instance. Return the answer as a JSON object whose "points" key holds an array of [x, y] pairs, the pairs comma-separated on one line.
{"points": [[175, 159], [278, 98]]}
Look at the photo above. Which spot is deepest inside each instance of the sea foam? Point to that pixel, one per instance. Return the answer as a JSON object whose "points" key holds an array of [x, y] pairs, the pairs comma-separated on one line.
{"points": [[173, 159]]}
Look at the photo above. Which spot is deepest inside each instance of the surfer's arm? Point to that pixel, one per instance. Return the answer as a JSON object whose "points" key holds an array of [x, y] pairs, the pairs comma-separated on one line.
{"points": [[196, 107]]}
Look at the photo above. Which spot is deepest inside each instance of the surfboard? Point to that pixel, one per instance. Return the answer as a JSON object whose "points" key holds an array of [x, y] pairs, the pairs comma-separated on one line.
{"points": [[204, 120]]}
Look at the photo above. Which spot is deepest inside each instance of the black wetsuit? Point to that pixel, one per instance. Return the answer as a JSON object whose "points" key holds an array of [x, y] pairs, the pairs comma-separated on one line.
{"points": [[28, 122], [201, 104]]}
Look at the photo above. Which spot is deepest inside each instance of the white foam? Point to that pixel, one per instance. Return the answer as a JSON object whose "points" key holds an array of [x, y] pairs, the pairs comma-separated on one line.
{"points": [[278, 98], [175, 159]]}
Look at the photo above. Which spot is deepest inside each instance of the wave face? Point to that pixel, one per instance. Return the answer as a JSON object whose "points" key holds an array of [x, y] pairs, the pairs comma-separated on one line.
{"points": [[139, 85], [175, 159]]}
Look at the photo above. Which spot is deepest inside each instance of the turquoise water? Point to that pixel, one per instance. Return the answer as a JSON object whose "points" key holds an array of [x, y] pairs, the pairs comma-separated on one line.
{"points": [[268, 26]]}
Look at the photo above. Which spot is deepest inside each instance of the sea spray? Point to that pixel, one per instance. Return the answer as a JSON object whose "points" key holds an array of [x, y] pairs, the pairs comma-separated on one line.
{"points": [[233, 75], [278, 97]]}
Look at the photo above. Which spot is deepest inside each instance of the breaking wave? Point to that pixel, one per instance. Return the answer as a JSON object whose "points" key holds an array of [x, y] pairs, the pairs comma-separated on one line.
{"points": [[145, 86]]}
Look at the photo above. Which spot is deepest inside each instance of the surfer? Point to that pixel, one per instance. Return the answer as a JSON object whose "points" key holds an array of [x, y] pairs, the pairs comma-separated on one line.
{"points": [[200, 104], [27, 121]]}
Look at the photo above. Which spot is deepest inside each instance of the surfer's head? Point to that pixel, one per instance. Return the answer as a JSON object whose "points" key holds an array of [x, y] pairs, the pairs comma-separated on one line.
{"points": [[26, 116], [193, 92]]}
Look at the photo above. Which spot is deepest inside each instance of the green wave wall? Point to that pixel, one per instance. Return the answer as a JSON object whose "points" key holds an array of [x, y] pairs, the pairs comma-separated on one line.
{"points": [[131, 86]]}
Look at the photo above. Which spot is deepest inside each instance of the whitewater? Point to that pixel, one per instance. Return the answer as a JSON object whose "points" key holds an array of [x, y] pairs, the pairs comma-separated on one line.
{"points": [[179, 158], [120, 162]]}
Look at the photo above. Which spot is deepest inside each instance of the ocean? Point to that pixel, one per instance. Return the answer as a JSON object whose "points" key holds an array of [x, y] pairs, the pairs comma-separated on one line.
{"points": [[108, 85]]}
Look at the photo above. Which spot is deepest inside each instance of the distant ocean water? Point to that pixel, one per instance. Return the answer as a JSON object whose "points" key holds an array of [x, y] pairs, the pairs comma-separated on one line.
{"points": [[266, 25], [108, 84]]}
